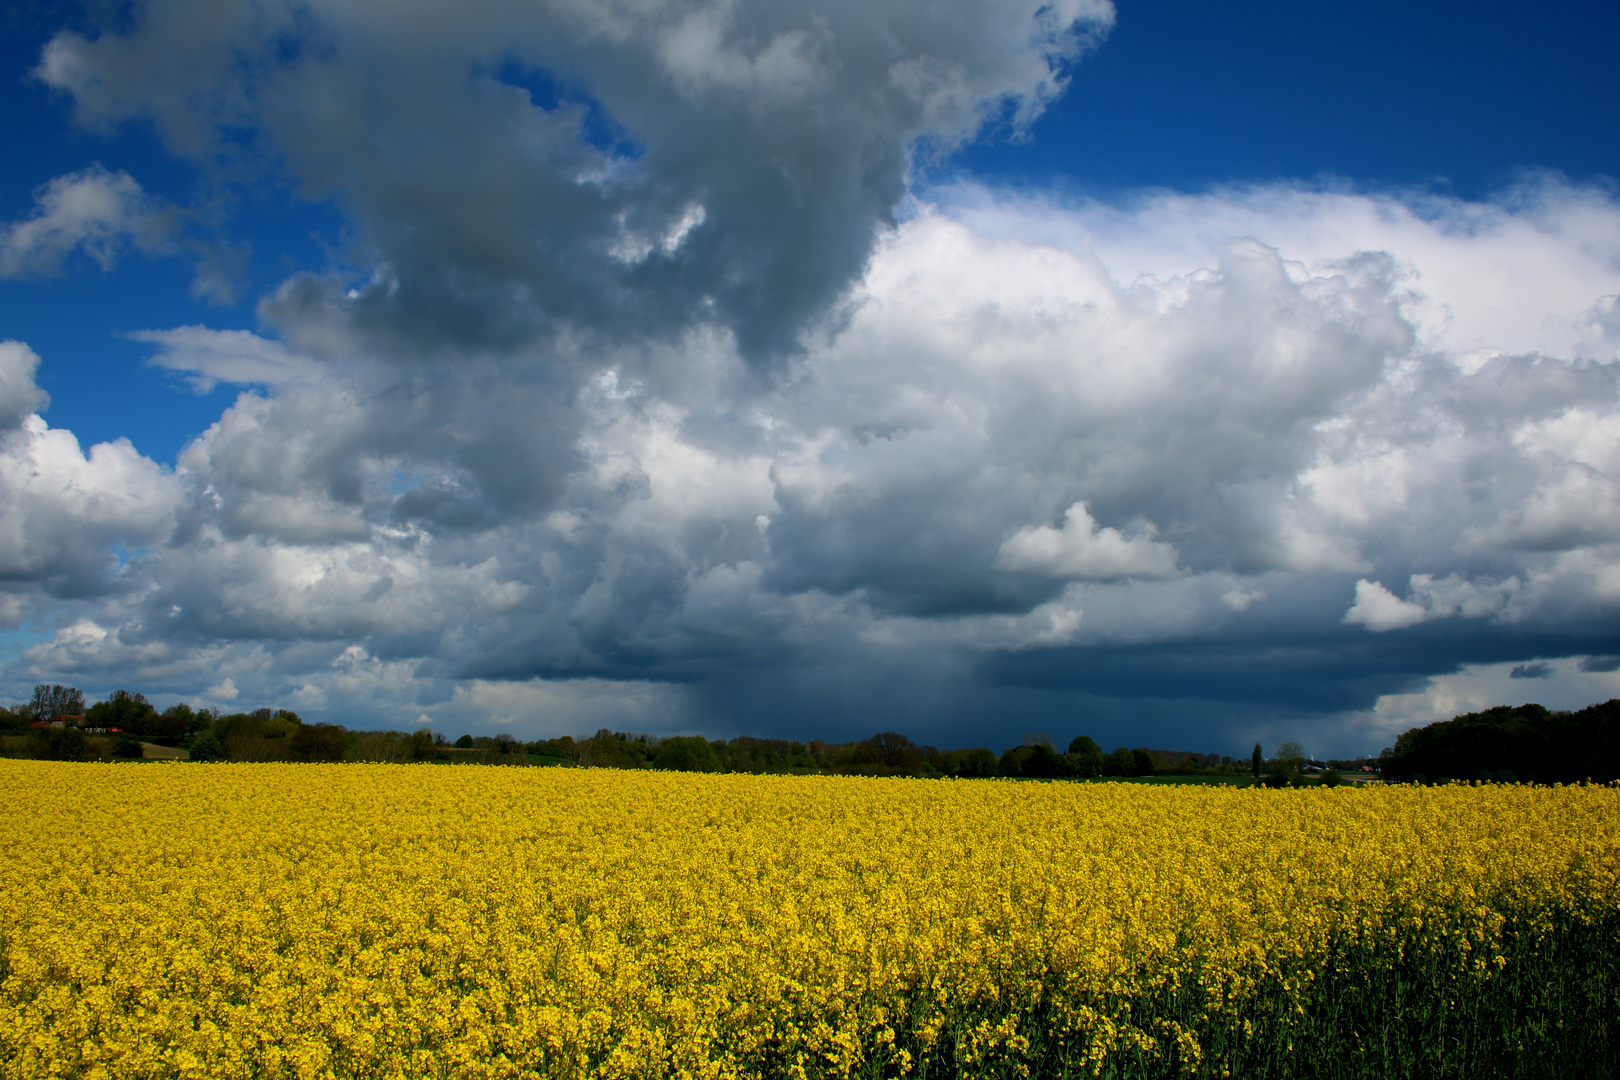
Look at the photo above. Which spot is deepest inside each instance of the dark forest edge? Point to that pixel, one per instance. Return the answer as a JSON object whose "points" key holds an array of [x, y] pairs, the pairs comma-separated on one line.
{"points": [[1525, 743]]}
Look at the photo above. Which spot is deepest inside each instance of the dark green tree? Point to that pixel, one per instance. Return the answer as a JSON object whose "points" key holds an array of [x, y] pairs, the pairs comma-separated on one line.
{"points": [[124, 711], [179, 721], [1085, 756], [979, 761], [420, 745], [320, 742], [1528, 742], [891, 751], [686, 753], [205, 747], [1255, 761], [58, 744]]}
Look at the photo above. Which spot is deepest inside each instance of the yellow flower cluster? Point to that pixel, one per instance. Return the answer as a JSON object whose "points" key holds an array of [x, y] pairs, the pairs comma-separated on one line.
{"points": [[277, 920]]}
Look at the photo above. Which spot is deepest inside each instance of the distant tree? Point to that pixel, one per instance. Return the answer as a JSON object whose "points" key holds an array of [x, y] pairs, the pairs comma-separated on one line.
{"points": [[1141, 763], [52, 701], [466, 742], [686, 753], [420, 745], [1532, 743], [1331, 778], [979, 761], [320, 742], [125, 711], [179, 721], [1293, 754], [128, 746], [58, 744], [1287, 768], [205, 747], [608, 749], [1118, 762], [11, 720], [242, 738], [1255, 761], [892, 750], [800, 756], [1086, 757], [280, 727], [1044, 761]]}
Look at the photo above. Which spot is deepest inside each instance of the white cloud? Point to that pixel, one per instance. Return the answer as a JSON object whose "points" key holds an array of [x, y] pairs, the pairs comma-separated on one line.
{"points": [[209, 357], [1475, 687], [1456, 595], [93, 211], [61, 509], [1242, 599], [20, 396], [558, 448], [662, 515], [1528, 273], [1378, 609], [1080, 549]]}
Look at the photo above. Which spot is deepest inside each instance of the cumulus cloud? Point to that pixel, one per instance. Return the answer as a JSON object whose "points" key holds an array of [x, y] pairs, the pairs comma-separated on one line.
{"points": [[95, 212], [678, 524], [1080, 549], [20, 396], [622, 166], [62, 510], [1470, 271], [1378, 609], [1015, 455]]}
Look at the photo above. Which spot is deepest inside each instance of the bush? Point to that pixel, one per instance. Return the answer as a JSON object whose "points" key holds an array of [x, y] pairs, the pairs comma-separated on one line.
{"points": [[206, 748], [58, 744], [128, 746]]}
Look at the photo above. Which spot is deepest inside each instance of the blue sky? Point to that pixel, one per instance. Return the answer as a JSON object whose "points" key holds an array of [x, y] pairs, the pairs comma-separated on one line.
{"points": [[551, 424]]}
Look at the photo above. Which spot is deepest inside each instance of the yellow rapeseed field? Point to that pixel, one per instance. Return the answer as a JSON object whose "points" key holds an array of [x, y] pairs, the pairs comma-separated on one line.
{"points": [[275, 920]]}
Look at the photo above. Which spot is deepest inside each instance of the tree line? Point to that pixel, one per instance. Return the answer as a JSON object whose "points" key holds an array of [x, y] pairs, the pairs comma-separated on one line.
{"points": [[1525, 743], [57, 724], [1508, 744]]}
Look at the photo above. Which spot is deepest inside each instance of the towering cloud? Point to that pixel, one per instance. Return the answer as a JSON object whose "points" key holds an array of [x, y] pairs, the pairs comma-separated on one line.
{"points": [[656, 397], [625, 167]]}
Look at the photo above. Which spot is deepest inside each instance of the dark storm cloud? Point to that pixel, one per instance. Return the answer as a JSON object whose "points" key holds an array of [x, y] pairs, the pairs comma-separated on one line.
{"points": [[756, 147]]}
